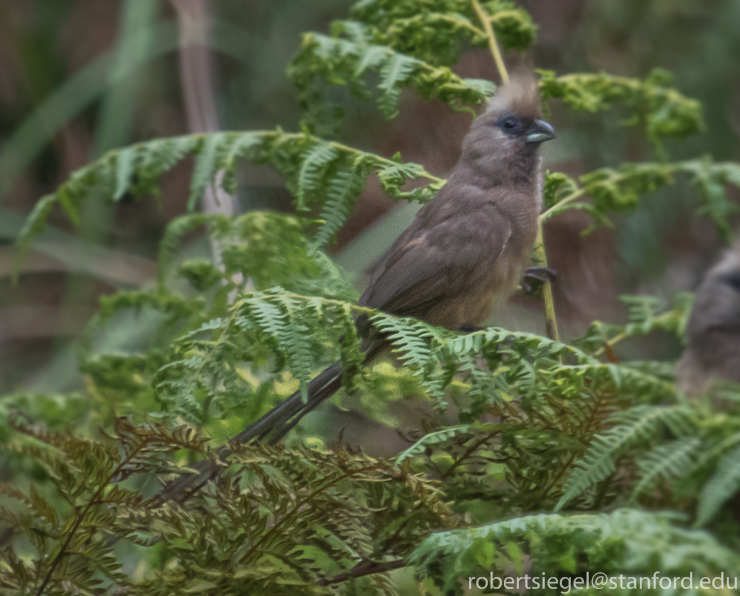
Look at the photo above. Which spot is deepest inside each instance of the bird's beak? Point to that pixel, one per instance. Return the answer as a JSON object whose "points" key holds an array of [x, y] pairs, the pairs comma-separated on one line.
{"points": [[540, 131]]}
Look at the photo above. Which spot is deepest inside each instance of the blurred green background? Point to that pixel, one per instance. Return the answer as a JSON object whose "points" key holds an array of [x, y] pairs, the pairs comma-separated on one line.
{"points": [[79, 77]]}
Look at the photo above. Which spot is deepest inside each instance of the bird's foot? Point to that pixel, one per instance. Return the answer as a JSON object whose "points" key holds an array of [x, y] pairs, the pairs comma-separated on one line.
{"points": [[469, 328], [535, 277]]}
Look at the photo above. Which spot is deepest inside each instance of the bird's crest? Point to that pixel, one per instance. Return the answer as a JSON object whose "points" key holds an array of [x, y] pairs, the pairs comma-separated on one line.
{"points": [[729, 262], [519, 96]]}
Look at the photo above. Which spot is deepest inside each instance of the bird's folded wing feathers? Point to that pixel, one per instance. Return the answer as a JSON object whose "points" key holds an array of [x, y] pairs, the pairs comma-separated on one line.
{"points": [[421, 268], [409, 283]]}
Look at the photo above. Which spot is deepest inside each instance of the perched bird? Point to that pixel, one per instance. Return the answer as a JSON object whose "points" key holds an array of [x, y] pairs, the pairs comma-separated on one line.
{"points": [[713, 350], [467, 248]]}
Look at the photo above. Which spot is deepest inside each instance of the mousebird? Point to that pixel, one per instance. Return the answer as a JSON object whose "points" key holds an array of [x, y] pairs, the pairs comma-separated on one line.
{"points": [[713, 331], [466, 250]]}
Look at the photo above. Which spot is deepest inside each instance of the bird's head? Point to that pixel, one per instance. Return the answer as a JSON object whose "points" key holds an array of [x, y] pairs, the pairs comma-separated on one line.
{"points": [[717, 305], [512, 125]]}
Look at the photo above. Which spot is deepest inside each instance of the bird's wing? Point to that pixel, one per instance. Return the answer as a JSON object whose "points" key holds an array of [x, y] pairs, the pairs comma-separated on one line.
{"points": [[428, 262]]}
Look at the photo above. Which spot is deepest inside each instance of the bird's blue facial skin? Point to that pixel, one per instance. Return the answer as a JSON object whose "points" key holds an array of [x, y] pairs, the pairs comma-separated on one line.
{"points": [[512, 126]]}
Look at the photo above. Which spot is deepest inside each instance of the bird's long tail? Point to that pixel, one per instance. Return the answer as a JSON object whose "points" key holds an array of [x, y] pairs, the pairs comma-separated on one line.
{"points": [[283, 417], [273, 426]]}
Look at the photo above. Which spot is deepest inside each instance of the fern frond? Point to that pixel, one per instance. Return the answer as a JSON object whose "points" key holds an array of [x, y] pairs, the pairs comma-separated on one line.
{"points": [[433, 438], [666, 461], [302, 159], [437, 31], [125, 167], [313, 164], [639, 543], [206, 166], [34, 225], [724, 483], [411, 340], [638, 425], [346, 56], [668, 112], [394, 73], [155, 158], [342, 192], [174, 232], [619, 189], [281, 318]]}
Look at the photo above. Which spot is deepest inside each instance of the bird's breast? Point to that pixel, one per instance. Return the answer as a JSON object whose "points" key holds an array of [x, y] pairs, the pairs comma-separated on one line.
{"points": [[479, 287]]}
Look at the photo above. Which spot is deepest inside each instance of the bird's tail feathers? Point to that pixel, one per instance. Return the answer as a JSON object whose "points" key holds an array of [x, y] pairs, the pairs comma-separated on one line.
{"points": [[273, 426], [283, 417]]}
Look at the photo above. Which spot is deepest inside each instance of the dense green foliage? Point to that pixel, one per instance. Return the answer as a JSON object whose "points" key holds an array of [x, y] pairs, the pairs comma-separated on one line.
{"points": [[566, 455]]}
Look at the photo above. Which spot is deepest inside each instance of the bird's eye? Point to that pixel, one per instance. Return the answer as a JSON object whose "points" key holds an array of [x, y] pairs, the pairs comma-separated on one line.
{"points": [[511, 125], [733, 280]]}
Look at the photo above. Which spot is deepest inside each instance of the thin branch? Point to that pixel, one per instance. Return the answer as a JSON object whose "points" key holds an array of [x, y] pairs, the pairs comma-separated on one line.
{"points": [[85, 511], [196, 74], [492, 44], [362, 570], [297, 508], [472, 449], [551, 322]]}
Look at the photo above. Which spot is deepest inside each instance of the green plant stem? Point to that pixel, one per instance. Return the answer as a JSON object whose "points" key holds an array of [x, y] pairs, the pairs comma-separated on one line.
{"points": [[551, 322], [95, 498], [363, 569], [611, 343], [569, 199], [298, 507], [468, 452], [622, 336], [492, 44]]}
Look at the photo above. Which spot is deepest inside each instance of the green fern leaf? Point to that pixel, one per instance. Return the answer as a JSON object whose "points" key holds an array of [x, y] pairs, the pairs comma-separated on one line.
{"points": [[724, 483], [313, 163], [206, 167], [34, 225], [433, 438], [342, 192], [281, 318], [125, 166], [371, 58], [639, 424], [670, 460], [394, 73], [242, 145], [174, 232]]}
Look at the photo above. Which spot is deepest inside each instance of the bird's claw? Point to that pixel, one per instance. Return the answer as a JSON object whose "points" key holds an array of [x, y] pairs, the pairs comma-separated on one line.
{"points": [[535, 277]]}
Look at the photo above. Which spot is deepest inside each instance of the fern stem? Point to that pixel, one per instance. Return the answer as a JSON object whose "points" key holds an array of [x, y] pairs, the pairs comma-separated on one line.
{"points": [[347, 149], [492, 44], [611, 343], [94, 500], [551, 322], [472, 449], [569, 199], [601, 495], [363, 569], [297, 508], [624, 335]]}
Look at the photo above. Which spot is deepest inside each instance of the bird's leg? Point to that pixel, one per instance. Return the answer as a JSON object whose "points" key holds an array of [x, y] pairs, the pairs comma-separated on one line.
{"points": [[535, 277]]}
